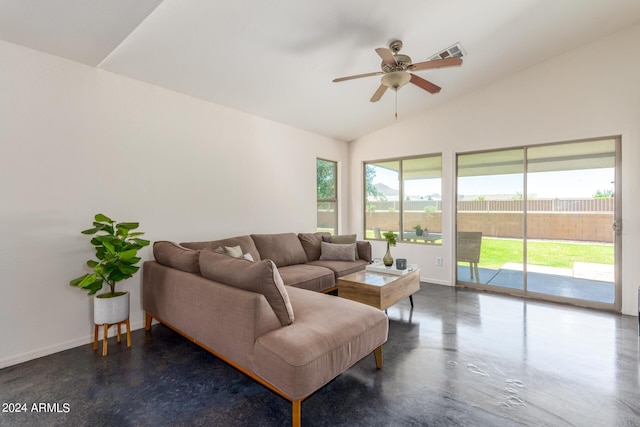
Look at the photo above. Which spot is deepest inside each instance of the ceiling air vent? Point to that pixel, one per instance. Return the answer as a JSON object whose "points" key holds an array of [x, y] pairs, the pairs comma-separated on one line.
{"points": [[452, 51]]}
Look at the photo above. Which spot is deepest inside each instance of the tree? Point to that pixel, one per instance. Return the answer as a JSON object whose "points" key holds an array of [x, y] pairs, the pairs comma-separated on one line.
{"points": [[370, 174], [325, 179], [603, 194]]}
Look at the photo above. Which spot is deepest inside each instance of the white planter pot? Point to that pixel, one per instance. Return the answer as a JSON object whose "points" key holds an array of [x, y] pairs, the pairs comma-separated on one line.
{"points": [[110, 310]]}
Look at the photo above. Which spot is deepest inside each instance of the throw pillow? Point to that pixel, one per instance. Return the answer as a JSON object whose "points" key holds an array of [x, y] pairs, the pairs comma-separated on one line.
{"points": [[176, 256], [234, 251], [261, 277], [338, 252], [342, 240], [245, 242]]}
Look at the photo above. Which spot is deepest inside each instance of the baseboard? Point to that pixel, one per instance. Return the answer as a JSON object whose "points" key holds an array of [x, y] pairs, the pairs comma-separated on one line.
{"points": [[436, 282], [41, 352]]}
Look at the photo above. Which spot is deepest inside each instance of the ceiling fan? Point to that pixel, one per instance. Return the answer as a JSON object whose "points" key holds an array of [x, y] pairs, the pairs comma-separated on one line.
{"points": [[396, 67]]}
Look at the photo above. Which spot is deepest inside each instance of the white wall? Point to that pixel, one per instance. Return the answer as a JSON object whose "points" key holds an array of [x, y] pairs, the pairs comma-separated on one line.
{"points": [[589, 92], [75, 141]]}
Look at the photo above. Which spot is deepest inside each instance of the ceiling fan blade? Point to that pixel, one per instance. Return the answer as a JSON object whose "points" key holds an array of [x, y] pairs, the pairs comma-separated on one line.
{"points": [[376, 96], [357, 76], [387, 56], [436, 63], [425, 84]]}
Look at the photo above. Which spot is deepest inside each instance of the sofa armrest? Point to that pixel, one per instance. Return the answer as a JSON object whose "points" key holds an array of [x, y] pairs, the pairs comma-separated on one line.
{"points": [[226, 319], [364, 250]]}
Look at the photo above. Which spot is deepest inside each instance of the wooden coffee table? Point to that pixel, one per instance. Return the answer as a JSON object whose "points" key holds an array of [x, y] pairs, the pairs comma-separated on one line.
{"points": [[378, 289]]}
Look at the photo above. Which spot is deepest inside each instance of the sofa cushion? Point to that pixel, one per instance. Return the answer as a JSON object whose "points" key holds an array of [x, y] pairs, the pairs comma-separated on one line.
{"points": [[330, 335], [311, 244], [245, 242], [176, 256], [338, 252], [341, 268], [261, 277], [283, 249], [310, 277]]}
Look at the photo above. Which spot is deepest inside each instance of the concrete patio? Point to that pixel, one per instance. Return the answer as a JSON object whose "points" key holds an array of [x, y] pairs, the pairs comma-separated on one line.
{"points": [[586, 281]]}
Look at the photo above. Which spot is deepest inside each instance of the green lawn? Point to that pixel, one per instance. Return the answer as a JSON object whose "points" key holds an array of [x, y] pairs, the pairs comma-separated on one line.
{"points": [[496, 252]]}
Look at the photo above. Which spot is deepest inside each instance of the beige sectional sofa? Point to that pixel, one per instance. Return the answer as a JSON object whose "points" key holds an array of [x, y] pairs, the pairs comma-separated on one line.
{"points": [[298, 257], [249, 300]]}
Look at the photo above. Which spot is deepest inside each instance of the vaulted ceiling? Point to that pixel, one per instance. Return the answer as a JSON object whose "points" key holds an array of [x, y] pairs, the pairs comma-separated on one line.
{"points": [[277, 59]]}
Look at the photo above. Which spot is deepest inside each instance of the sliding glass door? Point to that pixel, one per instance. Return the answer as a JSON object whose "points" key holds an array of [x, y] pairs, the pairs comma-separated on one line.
{"points": [[543, 216], [570, 212], [490, 219]]}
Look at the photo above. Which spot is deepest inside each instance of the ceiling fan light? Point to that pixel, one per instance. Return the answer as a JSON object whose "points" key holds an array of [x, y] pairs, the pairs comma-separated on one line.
{"points": [[396, 79]]}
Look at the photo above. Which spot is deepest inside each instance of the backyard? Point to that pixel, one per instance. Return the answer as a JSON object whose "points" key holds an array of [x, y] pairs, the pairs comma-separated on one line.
{"points": [[496, 252]]}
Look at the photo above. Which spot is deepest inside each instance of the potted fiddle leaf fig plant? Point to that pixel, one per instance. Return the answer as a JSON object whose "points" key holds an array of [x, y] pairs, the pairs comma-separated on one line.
{"points": [[116, 246], [390, 237]]}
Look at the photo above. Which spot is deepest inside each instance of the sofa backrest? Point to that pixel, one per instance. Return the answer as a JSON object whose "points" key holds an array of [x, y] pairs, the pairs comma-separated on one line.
{"points": [[245, 243], [283, 249], [259, 276], [312, 243], [176, 256]]}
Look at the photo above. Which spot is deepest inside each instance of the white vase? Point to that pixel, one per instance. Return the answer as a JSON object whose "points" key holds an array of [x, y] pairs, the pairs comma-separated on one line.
{"points": [[110, 310]]}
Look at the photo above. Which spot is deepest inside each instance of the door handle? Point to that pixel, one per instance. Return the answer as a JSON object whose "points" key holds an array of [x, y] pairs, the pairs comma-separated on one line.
{"points": [[617, 226]]}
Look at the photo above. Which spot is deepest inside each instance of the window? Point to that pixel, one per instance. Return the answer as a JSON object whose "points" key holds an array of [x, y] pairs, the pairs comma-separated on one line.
{"points": [[327, 195], [404, 196]]}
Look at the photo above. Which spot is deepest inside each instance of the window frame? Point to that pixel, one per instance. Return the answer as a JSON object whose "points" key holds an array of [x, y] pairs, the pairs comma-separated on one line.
{"points": [[335, 192], [401, 195]]}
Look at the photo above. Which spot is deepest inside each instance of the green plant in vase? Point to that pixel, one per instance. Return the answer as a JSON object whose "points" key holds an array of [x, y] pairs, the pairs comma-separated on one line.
{"points": [[116, 246], [391, 239], [116, 249]]}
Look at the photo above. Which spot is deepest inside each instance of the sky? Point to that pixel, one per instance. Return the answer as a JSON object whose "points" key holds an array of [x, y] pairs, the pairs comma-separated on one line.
{"points": [[542, 185]]}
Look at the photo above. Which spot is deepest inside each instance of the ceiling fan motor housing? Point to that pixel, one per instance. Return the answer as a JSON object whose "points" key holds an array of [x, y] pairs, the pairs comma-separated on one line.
{"points": [[403, 63]]}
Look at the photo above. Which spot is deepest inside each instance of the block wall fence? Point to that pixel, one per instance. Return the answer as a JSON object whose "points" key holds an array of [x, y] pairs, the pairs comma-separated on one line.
{"points": [[574, 226]]}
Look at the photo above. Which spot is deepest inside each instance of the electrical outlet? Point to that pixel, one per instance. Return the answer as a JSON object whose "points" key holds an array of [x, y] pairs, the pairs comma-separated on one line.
{"points": [[439, 261]]}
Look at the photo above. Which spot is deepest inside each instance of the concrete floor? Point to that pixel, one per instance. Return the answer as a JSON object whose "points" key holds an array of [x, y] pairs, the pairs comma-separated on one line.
{"points": [[461, 357]]}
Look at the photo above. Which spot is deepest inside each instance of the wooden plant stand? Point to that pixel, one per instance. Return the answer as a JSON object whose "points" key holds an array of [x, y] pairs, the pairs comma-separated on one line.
{"points": [[105, 330]]}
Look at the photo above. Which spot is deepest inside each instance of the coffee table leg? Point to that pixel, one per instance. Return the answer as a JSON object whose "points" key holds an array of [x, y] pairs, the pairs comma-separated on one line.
{"points": [[411, 300]]}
